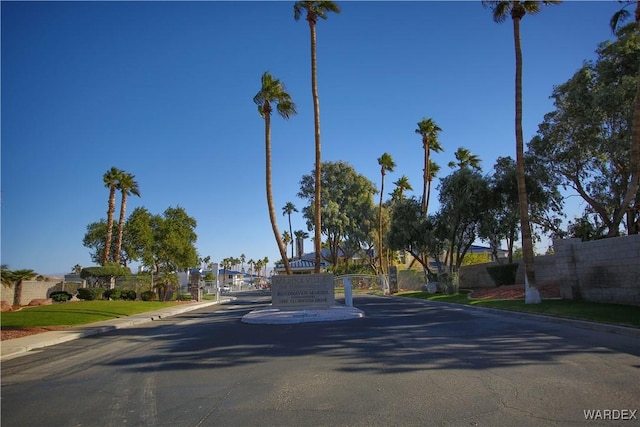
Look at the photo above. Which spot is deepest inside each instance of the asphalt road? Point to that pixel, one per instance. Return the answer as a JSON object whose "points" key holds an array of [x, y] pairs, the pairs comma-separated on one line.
{"points": [[406, 363]]}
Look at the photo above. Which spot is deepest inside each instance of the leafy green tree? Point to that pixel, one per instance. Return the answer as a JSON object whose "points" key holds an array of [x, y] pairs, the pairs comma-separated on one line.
{"points": [[412, 232], [127, 185], [313, 11], [273, 91], [386, 164], [587, 141], [348, 211], [502, 222], [103, 276], [110, 179], [287, 210], [429, 131], [585, 229], [139, 236], [517, 9], [464, 201], [174, 240], [633, 191], [95, 238]]}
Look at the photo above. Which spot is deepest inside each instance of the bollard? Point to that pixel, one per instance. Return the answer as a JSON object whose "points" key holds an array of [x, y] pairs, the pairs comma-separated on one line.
{"points": [[348, 294]]}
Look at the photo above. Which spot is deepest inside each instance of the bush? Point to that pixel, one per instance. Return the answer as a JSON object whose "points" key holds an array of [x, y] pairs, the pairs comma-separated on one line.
{"points": [[448, 283], [129, 295], [503, 274], [90, 294], [60, 296], [114, 293], [148, 296]]}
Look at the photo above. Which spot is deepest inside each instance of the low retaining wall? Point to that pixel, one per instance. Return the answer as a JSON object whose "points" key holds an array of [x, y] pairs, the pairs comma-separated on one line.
{"points": [[606, 270], [34, 289]]}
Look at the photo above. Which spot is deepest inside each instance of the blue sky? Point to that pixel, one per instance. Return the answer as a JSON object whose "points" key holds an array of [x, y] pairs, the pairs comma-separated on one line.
{"points": [[164, 90]]}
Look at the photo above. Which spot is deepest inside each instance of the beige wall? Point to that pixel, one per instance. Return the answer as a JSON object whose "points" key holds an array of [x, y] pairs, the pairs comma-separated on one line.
{"points": [[31, 289], [606, 270]]}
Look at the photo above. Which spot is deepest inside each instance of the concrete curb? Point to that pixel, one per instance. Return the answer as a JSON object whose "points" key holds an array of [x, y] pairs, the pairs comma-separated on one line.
{"points": [[10, 349]]}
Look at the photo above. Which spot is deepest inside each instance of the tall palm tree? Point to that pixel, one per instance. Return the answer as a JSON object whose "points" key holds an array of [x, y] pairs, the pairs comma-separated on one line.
{"points": [[111, 179], [434, 168], [386, 164], [251, 263], [265, 264], [466, 159], [243, 258], [402, 185], [259, 265], [300, 236], [429, 130], [517, 9], [288, 209], [272, 91], [127, 185], [286, 238], [632, 191], [315, 10]]}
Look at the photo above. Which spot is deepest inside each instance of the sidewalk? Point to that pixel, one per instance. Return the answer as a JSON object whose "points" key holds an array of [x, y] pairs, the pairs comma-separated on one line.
{"points": [[13, 348]]}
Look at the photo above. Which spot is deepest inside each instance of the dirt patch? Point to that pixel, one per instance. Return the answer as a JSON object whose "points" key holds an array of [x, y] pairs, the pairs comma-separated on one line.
{"points": [[514, 292], [9, 334]]}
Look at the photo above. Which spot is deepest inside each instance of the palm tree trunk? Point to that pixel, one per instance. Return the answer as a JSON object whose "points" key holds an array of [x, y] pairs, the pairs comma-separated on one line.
{"points": [[272, 210], [291, 234], [531, 292], [318, 166], [110, 211], [123, 209], [425, 179], [380, 224], [17, 293]]}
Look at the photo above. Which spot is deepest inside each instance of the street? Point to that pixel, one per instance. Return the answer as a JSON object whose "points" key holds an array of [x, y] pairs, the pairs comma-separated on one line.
{"points": [[406, 363]]}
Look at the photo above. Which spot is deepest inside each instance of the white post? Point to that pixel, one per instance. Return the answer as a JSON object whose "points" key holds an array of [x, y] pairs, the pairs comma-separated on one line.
{"points": [[348, 294]]}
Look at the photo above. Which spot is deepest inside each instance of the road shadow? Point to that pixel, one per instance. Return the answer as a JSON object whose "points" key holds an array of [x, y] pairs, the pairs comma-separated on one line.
{"points": [[396, 335]]}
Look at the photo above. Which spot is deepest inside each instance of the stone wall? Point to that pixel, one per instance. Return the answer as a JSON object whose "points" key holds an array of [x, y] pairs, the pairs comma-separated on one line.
{"points": [[31, 289], [606, 270], [476, 276]]}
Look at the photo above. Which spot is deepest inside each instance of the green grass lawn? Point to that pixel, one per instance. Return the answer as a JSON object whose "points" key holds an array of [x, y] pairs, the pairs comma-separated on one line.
{"points": [[76, 313], [615, 314]]}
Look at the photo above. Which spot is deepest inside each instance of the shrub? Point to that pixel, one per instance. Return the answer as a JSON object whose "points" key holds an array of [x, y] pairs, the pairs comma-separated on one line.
{"points": [[60, 296], [503, 274], [148, 296], [129, 295], [90, 294], [114, 293], [448, 283]]}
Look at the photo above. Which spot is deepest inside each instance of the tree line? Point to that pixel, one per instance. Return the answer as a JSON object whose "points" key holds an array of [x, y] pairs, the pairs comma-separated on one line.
{"points": [[590, 143]]}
